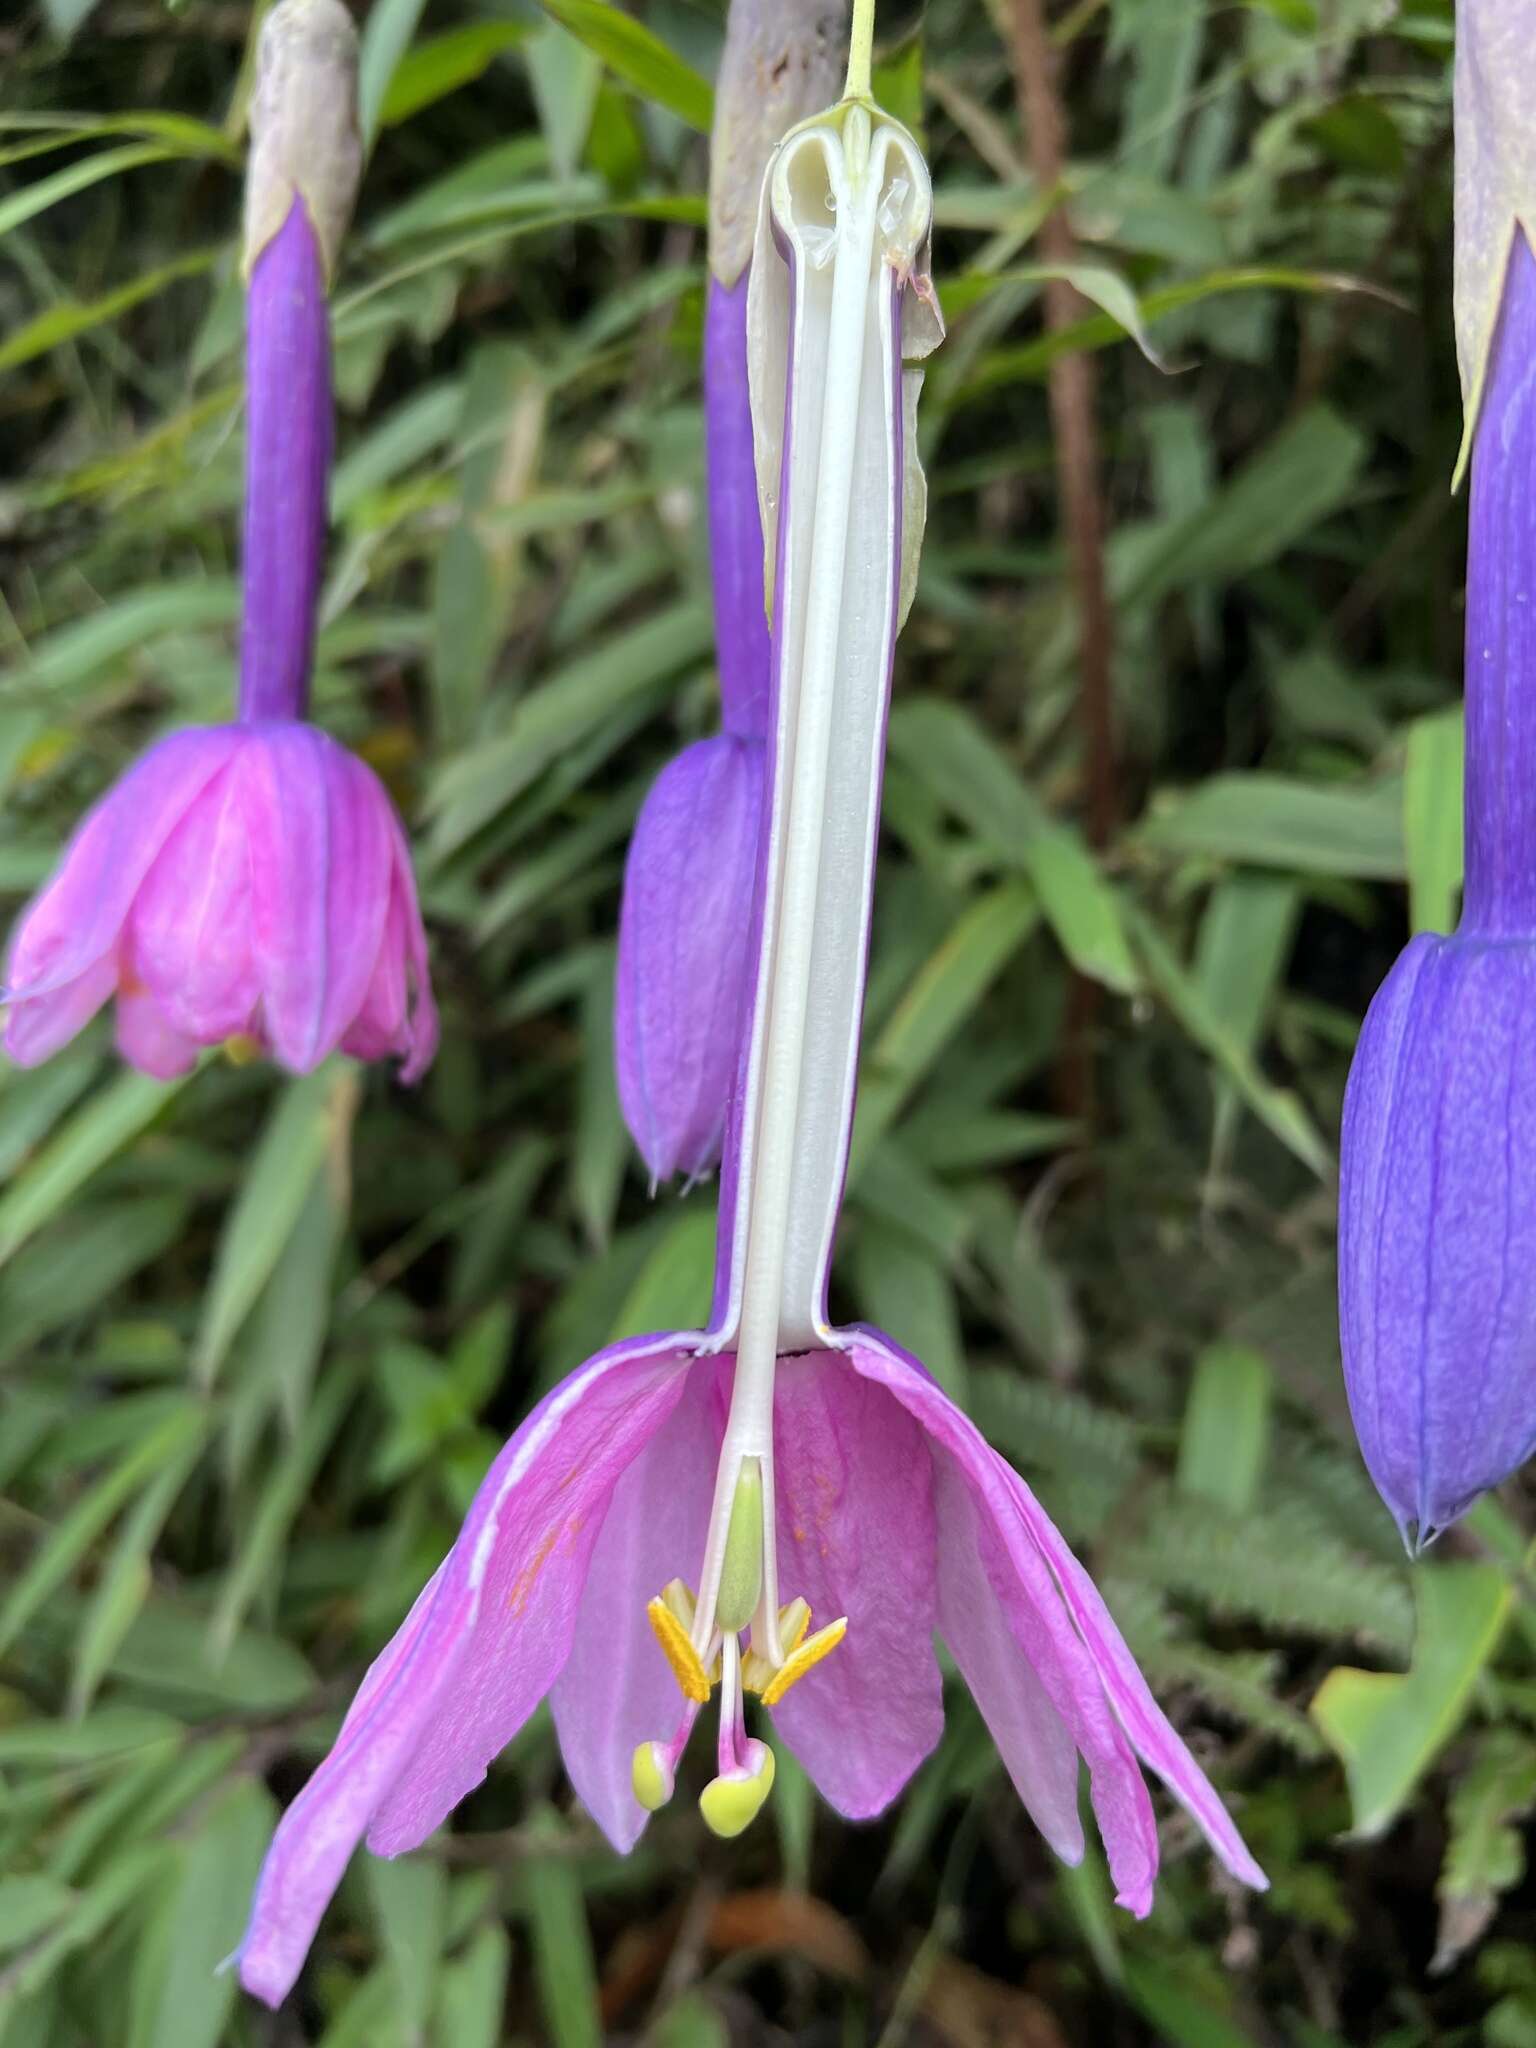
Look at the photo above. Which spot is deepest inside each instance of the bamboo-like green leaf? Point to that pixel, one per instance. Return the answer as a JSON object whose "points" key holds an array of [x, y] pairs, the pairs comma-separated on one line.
{"points": [[36, 198], [1432, 776], [443, 64], [638, 56], [982, 943], [1387, 1727], [312, 1122], [1226, 1427], [94, 1135], [562, 1946]]}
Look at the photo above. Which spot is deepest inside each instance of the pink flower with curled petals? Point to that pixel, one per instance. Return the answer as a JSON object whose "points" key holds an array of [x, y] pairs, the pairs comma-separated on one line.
{"points": [[892, 1511], [240, 881], [833, 1509], [251, 880]]}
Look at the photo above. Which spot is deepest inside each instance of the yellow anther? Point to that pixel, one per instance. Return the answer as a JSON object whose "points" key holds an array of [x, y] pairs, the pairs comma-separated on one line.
{"points": [[794, 1620], [802, 1658], [651, 1777], [731, 1804], [677, 1648]]}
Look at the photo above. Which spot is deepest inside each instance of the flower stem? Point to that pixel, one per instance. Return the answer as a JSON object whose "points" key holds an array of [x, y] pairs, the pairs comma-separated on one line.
{"points": [[861, 44]]}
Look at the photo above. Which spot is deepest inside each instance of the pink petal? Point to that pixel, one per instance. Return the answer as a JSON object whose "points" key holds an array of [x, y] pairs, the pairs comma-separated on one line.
{"points": [[617, 1689], [975, 1605], [1063, 1628], [398, 1015], [1143, 1719], [74, 923], [856, 1536], [37, 1026], [478, 1651], [321, 871], [189, 932], [147, 1039]]}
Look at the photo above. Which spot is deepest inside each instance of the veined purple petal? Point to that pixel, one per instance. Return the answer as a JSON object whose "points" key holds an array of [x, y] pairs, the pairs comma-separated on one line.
{"points": [[479, 1650], [322, 862], [249, 878], [975, 1606], [1437, 1227], [1063, 1629], [149, 1041], [683, 953], [62, 961], [399, 1014], [856, 1536], [617, 1689], [188, 937], [735, 529], [1437, 1208], [1500, 804], [288, 459]]}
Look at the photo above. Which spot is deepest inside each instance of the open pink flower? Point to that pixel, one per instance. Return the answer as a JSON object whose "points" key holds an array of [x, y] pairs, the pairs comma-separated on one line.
{"points": [[832, 1509], [241, 880], [892, 1511]]}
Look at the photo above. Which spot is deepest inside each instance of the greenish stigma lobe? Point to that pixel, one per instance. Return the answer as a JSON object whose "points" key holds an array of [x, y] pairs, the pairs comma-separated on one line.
{"points": [[741, 1572]]}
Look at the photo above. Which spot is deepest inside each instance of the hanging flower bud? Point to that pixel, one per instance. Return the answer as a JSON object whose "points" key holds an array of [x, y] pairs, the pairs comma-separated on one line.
{"points": [[684, 926], [684, 953], [251, 881], [1437, 1224]]}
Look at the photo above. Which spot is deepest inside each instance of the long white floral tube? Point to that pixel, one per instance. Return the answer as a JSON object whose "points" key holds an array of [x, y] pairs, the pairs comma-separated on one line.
{"points": [[839, 293]]}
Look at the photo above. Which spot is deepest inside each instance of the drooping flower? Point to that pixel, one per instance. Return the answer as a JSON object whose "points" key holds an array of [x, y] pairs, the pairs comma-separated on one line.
{"points": [[685, 934], [252, 880], [1437, 1220], [830, 1506]]}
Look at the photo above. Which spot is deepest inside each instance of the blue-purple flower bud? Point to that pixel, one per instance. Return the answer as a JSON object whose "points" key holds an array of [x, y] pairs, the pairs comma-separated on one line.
{"points": [[685, 952], [1437, 1227]]}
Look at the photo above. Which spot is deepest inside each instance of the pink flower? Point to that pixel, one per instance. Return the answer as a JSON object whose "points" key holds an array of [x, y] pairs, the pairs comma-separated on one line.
{"points": [[240, 880], [832, 1508], [892, 1511], [252, 880]]}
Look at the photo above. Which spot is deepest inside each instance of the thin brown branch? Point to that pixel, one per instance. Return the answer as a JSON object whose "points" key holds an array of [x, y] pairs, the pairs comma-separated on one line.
{"points": [[1073, 394]]}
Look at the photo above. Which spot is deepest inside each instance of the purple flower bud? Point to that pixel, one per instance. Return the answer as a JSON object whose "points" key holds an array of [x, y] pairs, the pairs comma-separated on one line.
{"points": [[735, 528], [684, 952], [1437, 1228]]}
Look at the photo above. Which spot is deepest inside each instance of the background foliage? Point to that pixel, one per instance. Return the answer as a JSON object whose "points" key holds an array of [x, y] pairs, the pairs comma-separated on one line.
{"points": [[259, 1338]]}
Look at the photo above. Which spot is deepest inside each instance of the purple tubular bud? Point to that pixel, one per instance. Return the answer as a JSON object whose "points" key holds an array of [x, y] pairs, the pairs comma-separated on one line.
{"points": [[1501, 634], [288, 456], [1437, 1224], [683, 953], [735, 529]]}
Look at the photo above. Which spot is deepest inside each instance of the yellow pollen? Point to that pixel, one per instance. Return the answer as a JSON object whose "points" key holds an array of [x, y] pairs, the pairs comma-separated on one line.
{"points": [[731, 1804], [794, 1620], [677, 1648], [802, 1658]]}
